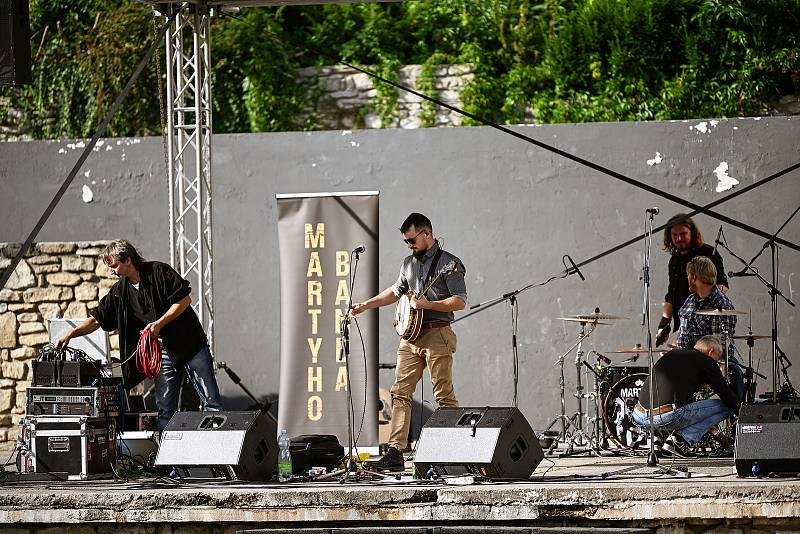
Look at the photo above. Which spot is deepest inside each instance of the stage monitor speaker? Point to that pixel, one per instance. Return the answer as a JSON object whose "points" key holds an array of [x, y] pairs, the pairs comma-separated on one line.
{"points": [[230, 445], [495, 443], [768, 439], [15, 43]]}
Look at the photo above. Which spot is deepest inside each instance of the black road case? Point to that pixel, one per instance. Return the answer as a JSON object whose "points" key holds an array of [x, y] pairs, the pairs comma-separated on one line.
{"points": [[71, 448]]}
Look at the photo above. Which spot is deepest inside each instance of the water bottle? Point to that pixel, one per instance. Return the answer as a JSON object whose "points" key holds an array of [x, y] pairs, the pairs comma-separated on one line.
{"points": [[284, 458]]}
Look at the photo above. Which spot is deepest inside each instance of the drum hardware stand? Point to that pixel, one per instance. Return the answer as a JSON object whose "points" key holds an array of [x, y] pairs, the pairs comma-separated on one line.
{"points": [[652, 459], [748, 270], [600, 442], [578, 437]]}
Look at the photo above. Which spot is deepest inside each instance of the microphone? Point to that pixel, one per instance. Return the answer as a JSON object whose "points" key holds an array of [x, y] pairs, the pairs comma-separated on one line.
{"points": [[732, 274], [576, 268], [602, 358], [359, 249], [716, 241], [654, 210]]}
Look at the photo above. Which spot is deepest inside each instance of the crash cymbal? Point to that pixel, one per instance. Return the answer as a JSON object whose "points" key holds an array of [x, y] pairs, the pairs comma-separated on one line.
{"points": [[754, 336], [720, 313], [578, 320], [596, 316]]}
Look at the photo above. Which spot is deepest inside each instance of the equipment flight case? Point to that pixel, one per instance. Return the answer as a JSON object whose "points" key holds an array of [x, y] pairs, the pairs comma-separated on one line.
{"points": [[66, 448]]}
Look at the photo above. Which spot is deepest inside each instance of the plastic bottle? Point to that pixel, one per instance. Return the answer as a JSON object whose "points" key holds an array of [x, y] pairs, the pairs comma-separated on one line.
{"points": [[284, 458]]}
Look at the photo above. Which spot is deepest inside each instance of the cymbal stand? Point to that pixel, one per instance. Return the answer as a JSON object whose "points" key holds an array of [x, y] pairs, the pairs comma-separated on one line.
{"points": [[578, 437]]}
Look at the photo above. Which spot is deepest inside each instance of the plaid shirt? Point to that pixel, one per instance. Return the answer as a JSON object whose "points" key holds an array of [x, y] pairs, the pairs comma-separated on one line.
{"points": [[694, 326]]}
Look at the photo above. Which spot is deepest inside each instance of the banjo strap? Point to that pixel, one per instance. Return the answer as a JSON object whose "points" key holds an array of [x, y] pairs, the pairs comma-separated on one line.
{"points": [[432, 270]]}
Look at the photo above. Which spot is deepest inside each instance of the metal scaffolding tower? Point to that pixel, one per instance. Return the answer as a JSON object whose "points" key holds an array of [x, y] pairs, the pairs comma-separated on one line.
{"points": [[188, 56], [188, 111]]}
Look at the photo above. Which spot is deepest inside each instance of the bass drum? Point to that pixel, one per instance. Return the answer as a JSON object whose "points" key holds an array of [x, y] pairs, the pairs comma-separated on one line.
{"points": [[618, 406]]}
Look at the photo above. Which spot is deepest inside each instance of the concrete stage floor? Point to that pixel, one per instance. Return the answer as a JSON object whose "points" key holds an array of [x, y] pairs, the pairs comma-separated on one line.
{"points": [[580, 490]]}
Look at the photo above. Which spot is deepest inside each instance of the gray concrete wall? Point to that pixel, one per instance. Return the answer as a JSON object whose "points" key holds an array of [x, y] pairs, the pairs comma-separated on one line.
{"points": [[510, 210]]}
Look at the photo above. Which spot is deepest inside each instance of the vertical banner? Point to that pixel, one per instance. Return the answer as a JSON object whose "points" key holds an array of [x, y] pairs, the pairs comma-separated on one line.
{"points": [[317, 233]]}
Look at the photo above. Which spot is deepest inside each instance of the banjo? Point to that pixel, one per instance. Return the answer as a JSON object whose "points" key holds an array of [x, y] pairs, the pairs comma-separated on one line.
{"points": [[407, 320]]}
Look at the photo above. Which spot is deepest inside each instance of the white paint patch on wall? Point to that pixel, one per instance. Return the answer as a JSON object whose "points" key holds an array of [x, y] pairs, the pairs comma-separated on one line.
{"points": [[725, 181], [86, 194], [703, 127], [656, 160]]}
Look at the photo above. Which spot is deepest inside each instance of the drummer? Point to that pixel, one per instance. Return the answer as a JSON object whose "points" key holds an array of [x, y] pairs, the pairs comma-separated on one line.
{"points": [[705, 295], [678, 375]]}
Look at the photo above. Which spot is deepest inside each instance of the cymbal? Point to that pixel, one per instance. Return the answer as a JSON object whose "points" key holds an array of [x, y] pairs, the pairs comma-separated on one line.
{"points": [[754, 336], [720, 313], [634, 350], [596, 316], [578, 320]]}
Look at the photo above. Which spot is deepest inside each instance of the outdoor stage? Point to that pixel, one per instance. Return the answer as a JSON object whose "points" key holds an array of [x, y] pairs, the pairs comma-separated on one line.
{"points": [[562, 494]]}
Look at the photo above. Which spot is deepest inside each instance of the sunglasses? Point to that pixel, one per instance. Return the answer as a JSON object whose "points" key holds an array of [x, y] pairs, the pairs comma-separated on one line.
{"points": [[412, 240]]}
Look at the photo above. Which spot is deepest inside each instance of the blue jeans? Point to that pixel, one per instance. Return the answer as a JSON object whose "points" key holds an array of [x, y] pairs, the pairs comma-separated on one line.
{"points": [[169, 379], [690, 421]]}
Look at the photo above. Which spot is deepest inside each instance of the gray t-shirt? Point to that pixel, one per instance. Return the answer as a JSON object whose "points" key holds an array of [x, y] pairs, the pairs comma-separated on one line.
{"points": [[412, 278]]}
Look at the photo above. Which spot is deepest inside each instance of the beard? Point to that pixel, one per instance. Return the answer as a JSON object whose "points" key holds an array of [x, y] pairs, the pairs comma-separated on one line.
{"points": [[419, 254]]}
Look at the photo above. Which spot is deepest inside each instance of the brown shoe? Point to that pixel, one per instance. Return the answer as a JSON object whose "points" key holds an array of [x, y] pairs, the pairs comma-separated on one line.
{"points": [[391, 461]]}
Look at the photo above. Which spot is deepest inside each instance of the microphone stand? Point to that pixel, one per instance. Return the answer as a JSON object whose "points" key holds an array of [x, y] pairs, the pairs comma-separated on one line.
{"points": [[652, 459], [777, 353], [261, 406], [350, 466], [345, 353], [511, 297]]}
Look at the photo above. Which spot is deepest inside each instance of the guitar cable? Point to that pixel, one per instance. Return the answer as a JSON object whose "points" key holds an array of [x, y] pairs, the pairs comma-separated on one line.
{"points": [[148, 355]]}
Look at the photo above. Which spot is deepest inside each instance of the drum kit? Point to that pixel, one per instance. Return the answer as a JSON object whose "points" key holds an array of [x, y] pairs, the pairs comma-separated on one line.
{"points": [[616, 390]]}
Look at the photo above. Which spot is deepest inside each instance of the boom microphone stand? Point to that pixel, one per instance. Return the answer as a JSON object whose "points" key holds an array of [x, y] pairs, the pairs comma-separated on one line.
{"points": [[511, 297], [748, 270]]}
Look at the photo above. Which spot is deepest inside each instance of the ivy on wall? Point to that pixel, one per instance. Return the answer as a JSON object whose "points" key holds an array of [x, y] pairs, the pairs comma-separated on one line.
{"points": [[545, 61]]}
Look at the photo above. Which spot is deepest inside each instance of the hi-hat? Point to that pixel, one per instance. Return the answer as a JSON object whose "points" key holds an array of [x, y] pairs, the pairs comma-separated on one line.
{"points": [[753, 336], [720, 313], [579, 320], [635, 350], [589, 317]]}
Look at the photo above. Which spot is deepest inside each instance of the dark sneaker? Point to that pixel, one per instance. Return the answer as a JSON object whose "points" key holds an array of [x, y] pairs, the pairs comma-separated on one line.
{"points": [[675, 445], [391, 461]]}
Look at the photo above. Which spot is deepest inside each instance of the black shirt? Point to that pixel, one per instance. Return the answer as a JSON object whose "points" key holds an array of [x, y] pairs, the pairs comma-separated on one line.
{"points": [[681, 372], [128, 310], [678, 288]]}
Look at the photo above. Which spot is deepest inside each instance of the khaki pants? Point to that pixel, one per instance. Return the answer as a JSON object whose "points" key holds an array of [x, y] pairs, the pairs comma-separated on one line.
{"points": [[434, 348]]}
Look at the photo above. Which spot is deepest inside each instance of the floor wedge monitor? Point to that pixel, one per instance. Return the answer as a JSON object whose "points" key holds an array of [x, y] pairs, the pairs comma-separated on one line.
{"points": [[768, 439], [230, 445], [496, 443]]}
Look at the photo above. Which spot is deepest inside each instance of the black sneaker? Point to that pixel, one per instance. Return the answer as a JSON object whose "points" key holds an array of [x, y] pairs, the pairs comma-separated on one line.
{"points": [[675, 445], [391, 461]]}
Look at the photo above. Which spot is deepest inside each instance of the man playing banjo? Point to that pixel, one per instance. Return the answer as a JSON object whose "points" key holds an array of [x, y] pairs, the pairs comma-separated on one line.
{"points": [[436, 279]]}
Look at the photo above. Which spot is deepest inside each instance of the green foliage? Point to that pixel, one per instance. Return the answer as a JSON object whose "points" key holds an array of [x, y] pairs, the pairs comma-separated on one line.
{"points": [[83, 53], [668, 59], [541, 60]]}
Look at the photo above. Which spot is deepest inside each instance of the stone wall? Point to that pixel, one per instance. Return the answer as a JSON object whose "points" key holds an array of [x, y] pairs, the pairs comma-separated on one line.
{"points": [[348, 99], [52, 280]]}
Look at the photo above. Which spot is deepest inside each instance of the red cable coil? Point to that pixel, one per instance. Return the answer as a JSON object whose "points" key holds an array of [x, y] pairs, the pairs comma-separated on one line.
{"points": [[148, 355]]}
